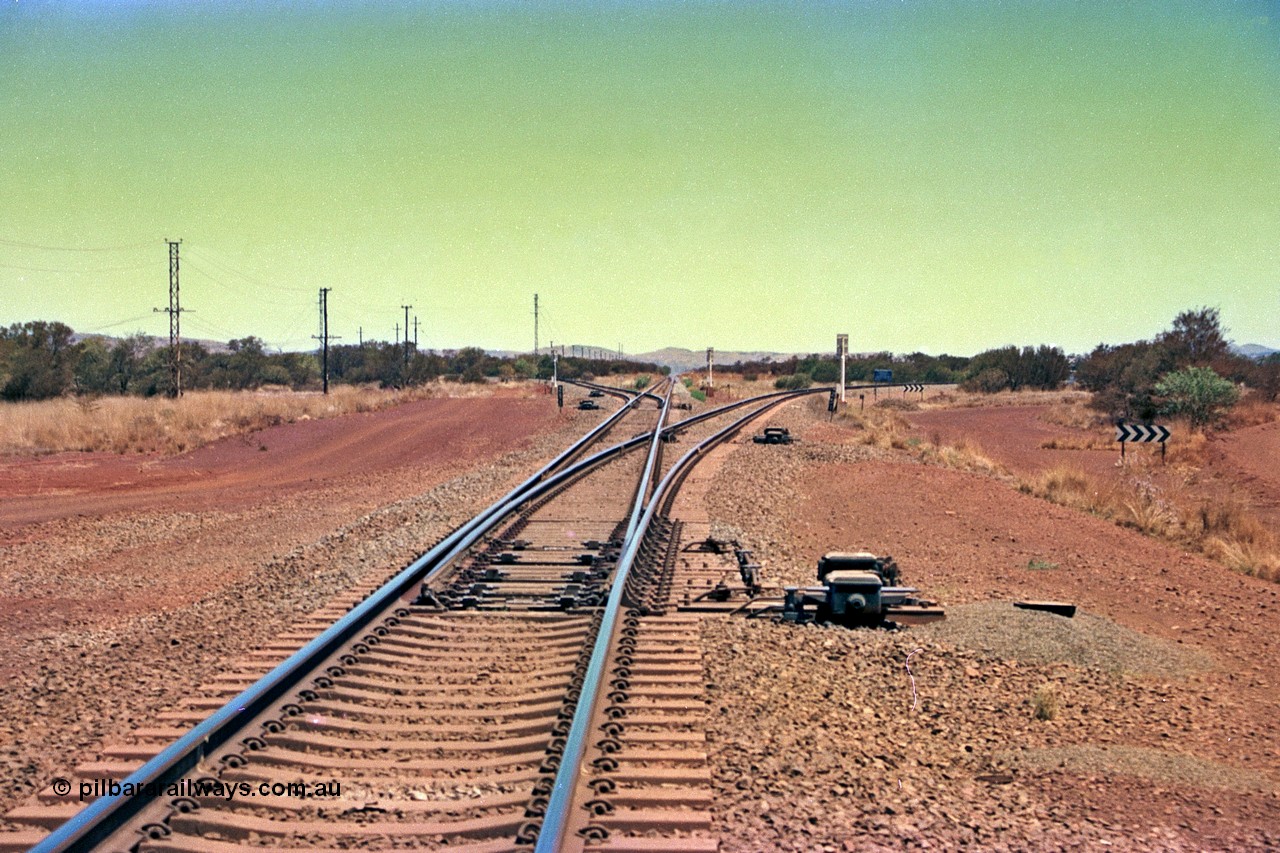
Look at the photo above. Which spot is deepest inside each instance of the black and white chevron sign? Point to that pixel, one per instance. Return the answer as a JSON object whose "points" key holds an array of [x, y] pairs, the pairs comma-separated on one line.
{"points": [[1141, 432], [910, 387]]}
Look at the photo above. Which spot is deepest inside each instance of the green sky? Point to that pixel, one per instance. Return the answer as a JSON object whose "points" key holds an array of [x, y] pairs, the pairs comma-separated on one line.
{"points": [[941, 176]]}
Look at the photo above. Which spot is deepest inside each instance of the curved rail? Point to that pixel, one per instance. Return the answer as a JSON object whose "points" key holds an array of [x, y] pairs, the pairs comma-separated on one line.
{"points": [[652, 394], [106, 815], [558, 814]]}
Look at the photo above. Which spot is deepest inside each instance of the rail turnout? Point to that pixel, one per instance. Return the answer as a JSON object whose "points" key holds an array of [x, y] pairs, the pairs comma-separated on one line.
{"points": [[534, 680]]}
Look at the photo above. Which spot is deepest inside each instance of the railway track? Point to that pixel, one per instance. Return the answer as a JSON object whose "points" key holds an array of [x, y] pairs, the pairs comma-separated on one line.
{"points": [[533, 680]]}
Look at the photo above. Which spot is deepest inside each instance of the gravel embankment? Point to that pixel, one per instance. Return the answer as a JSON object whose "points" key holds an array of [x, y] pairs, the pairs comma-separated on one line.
{"points": [[998, 629]]}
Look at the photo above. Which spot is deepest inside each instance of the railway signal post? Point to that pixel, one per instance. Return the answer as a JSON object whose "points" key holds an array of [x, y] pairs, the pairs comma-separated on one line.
{"points": [[842, 350]]}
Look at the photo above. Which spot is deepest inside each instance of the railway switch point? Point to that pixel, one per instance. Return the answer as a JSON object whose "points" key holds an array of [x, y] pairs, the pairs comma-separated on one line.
{"points": [[858, 589], [773, 435]]}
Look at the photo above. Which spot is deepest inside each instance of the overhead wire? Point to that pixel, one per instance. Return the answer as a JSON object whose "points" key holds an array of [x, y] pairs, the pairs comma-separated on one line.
{"points": [[212, 257], [212, 328], [22, 244], [237, 290], [81, 270], [139, 318]]}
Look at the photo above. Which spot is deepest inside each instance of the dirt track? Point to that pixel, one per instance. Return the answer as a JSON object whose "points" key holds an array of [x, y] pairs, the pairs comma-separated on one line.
{"points": [[438, 435], [198, 522]]}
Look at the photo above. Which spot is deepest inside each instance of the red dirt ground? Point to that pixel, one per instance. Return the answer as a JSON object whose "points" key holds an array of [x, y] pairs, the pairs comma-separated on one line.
{"points": [[1249, 459], [182, 526], [1243, 463], [438, 434], [964, 537], [192, 524], [1010, 435]]}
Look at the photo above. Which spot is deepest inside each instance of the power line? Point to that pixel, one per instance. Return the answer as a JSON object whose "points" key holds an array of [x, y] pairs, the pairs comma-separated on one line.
{"points": [[406, 333], [213, 329], [174, 310], [210, 256], [81, 270], [25, 245], [139, 318], [239, 290]]}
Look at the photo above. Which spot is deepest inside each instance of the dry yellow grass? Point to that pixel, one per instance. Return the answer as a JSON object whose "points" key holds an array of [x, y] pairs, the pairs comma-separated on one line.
{"points": [[962, 455], [1233, 535], [1187, 447], [967, 400], [1252, 411], [1223, 530], [1164, 506], [885, 427], [1078, 442], [161, 425], [877, 426], [1072, 411]]}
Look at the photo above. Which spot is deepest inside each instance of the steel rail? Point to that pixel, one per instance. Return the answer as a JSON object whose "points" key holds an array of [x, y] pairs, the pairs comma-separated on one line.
{"points": [[560, 478], [104, 816], [558, 815], [613, 389], [643, 490]]}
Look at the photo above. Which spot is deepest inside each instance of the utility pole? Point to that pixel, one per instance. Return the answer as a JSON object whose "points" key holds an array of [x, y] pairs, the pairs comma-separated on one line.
{"points": [[324, 336], [174, 309], [360, 332], [406, 333], [555, 368], [535, 324], [710, 377], [842, 350], [415, 332]]}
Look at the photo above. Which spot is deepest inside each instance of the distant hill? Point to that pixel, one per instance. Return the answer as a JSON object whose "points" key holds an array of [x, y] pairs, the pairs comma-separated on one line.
{"points": [[1254, 350], [676, 358], [153, 341], [680, 360]]}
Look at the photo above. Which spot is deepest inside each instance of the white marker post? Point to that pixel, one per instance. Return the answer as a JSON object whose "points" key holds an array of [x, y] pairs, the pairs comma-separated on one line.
{"points": [[710, 379], [842, 350]]}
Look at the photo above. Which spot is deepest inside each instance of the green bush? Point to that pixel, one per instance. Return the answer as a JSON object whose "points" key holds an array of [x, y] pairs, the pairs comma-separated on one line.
{"points": [[794, 382], [1197, 393], [988, 381], [698, 395], [826, 371]]}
